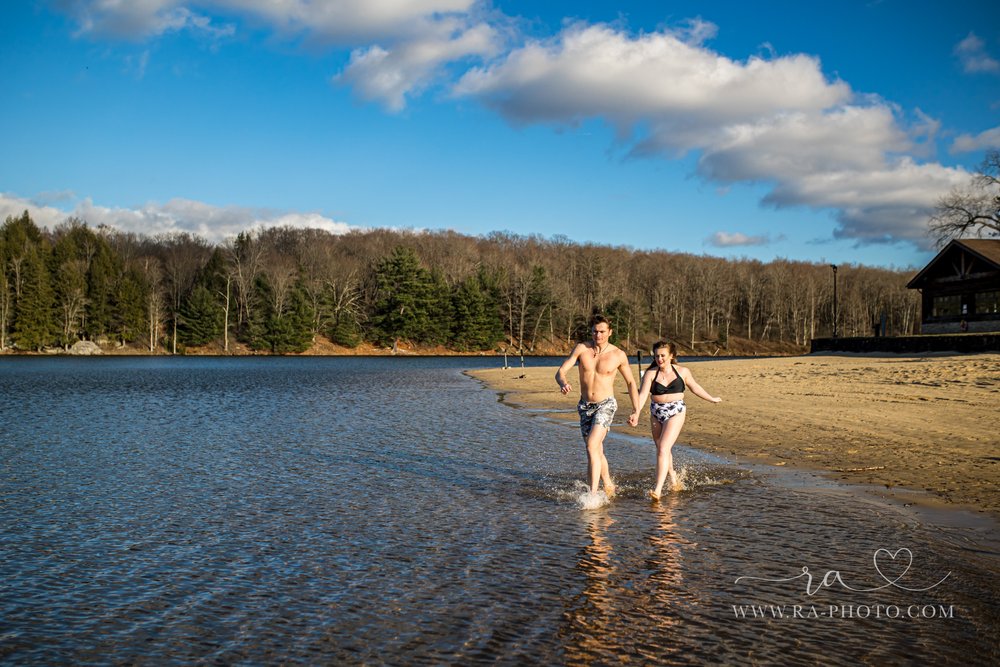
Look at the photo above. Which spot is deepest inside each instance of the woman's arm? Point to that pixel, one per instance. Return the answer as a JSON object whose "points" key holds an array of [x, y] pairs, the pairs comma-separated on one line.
{"points": [[696, 388]]}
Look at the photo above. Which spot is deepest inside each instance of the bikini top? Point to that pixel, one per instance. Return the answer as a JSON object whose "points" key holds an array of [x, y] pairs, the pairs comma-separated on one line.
{"points": [[675, 387]]}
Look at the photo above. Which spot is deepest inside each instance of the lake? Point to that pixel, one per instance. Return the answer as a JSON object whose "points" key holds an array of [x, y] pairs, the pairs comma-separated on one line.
{"points": [[352, 510]]}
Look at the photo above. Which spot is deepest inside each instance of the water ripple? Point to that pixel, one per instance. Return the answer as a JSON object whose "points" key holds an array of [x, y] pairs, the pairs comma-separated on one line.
{"points": [[373, 512]]}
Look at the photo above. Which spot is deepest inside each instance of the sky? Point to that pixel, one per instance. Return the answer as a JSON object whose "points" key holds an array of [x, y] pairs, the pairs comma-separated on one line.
{"points": [[820, 132]]}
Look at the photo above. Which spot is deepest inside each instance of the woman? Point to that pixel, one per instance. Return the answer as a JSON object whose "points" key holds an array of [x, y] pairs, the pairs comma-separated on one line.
{"points": [[664, 382]]}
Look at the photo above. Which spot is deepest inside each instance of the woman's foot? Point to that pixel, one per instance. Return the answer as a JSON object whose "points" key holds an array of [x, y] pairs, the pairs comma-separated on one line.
{"points": [[654, 496], [610, 490], [675, 482]]}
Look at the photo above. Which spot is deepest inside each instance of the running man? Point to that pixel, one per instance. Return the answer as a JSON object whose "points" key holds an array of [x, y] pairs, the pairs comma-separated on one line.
{"points": [[598, 360]]}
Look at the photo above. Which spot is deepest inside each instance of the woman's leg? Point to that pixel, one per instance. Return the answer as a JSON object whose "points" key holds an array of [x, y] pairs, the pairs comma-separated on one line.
{"points": [[668, 435]]}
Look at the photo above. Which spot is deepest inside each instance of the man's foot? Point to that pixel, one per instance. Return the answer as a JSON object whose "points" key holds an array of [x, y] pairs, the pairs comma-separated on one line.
{"points": [[654, 496]]}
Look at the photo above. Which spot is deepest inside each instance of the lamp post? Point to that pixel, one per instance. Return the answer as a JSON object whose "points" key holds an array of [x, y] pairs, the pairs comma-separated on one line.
{"points": [[834, 267]]}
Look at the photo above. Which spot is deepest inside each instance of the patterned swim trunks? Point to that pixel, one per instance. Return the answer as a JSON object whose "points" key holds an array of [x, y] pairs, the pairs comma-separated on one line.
{"points": [[664, 411], [596, 413]]}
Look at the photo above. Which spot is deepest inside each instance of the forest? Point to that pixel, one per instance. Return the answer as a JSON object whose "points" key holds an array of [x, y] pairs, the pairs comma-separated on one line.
{"points": [[277, 290]]}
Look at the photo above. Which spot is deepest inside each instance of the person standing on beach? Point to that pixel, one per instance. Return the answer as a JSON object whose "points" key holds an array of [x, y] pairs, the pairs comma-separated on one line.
{"points": [[664, 382], [599, 360]]}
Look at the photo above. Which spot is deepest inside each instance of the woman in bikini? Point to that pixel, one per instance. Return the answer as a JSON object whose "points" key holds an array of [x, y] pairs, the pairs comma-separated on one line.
{"points": [[664, 382]]}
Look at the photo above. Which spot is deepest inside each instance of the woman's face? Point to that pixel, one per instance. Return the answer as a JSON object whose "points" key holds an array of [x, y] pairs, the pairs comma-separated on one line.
{"points": [[662, 357]]}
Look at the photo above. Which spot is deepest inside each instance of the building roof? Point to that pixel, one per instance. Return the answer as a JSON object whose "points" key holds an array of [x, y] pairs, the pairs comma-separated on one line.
{"points": [[987, 250]]}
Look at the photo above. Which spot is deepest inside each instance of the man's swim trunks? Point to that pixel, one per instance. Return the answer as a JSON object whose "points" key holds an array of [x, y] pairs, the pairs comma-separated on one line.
{"points": [[596, 413], [664, 411]]}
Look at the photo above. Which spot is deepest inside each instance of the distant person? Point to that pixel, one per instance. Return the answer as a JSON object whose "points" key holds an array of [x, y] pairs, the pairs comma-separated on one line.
{"points": [[598, 360], [664, 383]]}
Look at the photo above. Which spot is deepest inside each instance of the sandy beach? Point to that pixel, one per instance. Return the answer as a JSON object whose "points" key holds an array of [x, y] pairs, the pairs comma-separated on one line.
{"points": [[929, 424]]}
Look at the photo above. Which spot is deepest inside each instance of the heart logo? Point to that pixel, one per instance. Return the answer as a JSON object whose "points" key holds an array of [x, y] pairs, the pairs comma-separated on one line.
{"points": [[897, 563]]}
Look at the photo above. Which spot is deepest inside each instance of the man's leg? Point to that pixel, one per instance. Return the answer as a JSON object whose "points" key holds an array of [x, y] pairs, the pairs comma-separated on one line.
{"points": [[597, 464]]}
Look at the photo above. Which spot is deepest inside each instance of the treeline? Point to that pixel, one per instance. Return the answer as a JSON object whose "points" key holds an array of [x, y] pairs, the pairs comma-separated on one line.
{"points": [[277, 289]]}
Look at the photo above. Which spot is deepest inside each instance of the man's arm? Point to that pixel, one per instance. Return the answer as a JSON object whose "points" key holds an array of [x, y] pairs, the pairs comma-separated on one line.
{"points": [[564, 386], [645, 387]]}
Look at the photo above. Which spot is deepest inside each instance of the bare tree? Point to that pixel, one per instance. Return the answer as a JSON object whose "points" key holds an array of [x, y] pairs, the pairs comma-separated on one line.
{"points": [[183, 256], [152, 272], [973, 209], [72, 276]]}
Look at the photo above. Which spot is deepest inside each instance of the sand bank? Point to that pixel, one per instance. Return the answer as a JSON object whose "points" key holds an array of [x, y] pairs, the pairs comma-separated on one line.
{"points": [[927, 423]]}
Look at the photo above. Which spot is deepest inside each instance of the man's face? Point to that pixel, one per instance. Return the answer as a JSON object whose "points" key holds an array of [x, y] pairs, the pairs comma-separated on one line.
{"points": [[601, 332]]}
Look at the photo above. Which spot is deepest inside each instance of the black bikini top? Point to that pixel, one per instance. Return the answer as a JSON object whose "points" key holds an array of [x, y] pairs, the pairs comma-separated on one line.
{"points": [[675, 387]]}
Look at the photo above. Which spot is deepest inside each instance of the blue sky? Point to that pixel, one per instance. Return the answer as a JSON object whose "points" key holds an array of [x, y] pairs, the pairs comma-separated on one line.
{"points": [[809, 131]]}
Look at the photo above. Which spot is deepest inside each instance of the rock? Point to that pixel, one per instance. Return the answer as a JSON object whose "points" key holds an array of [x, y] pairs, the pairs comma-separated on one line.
{"points": [[85, 347]]}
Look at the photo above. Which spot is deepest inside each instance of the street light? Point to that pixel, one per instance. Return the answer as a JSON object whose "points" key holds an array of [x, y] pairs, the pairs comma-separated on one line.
{"points": [[834, 267]]}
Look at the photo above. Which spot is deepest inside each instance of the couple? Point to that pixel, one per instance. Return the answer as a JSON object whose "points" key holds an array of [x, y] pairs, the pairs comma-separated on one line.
{"points": [[663, 382]]}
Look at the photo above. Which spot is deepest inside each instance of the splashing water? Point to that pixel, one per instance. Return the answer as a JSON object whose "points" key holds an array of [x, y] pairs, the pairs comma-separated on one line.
{"points": [[589, 500]]}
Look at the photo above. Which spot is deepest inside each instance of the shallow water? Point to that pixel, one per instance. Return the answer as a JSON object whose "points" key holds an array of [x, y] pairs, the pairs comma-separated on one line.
{"points": [[392, 511]]}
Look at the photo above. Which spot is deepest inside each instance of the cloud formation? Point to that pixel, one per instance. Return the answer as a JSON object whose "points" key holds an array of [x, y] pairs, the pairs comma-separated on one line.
{"points": [[985, 140], [731, 239], [213, 223], [775, 120], [971, 51], [399, 46], [389, 76], [778, 121], [137, 19]]}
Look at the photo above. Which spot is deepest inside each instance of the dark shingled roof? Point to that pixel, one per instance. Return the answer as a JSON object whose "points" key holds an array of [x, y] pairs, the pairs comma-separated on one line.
{"points": [[986, 249]]}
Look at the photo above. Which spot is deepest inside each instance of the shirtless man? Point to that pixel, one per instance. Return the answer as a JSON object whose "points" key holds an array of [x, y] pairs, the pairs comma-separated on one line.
{"points": [[599, 360]]}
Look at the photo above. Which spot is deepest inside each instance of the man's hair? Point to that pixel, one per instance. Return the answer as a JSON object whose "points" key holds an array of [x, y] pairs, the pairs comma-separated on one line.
{"points": [[599, 319]]}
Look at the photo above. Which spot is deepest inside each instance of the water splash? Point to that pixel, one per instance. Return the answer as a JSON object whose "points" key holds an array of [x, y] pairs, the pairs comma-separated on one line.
{"points": [[589, 500]]}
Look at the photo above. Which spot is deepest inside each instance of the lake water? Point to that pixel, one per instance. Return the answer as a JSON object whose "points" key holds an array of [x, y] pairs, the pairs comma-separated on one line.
{"points": [[392, 511]]}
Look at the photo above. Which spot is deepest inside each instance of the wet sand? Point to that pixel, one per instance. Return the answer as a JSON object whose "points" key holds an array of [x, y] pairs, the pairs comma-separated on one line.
{"points": [[929, 424]]}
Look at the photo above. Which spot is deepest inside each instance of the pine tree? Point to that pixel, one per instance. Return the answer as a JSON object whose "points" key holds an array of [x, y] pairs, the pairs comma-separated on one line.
{"points": [[129, 312], [201, 318], [288, 330], [476, 323], [34, 323], [402, 310]]}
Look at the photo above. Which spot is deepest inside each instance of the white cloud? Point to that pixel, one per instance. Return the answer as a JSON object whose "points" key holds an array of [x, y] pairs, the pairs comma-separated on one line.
{"points": [[351, 21], [137, 19], [730, 239], [790, 145], [400, 45], [985, 140], [777, 121], [681, 87], [340, 22], [42, 214], [389, 76], [213, 223], [971, 51]]}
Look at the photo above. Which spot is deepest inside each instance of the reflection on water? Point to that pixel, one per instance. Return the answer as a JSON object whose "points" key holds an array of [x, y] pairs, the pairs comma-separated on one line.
{"points": [[388, 511]]}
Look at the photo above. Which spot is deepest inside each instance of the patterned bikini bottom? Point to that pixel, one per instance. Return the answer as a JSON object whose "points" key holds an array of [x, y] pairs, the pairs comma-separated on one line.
{"points": [[664, 411]]}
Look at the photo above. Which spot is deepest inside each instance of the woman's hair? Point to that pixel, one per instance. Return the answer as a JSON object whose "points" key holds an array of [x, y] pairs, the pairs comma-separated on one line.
{"points": [[671, 348]]}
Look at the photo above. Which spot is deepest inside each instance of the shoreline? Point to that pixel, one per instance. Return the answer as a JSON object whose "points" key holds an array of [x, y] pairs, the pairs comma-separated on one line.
{"points": [[915, 430]]}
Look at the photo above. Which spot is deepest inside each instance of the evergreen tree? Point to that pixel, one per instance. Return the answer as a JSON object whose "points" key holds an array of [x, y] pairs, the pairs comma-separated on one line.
{"points": [[402, 310], [476, 323], [131, 298], [101, 280], [288, 330], [344, 329], [201, 318], [439, 310], [34, 324]]}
